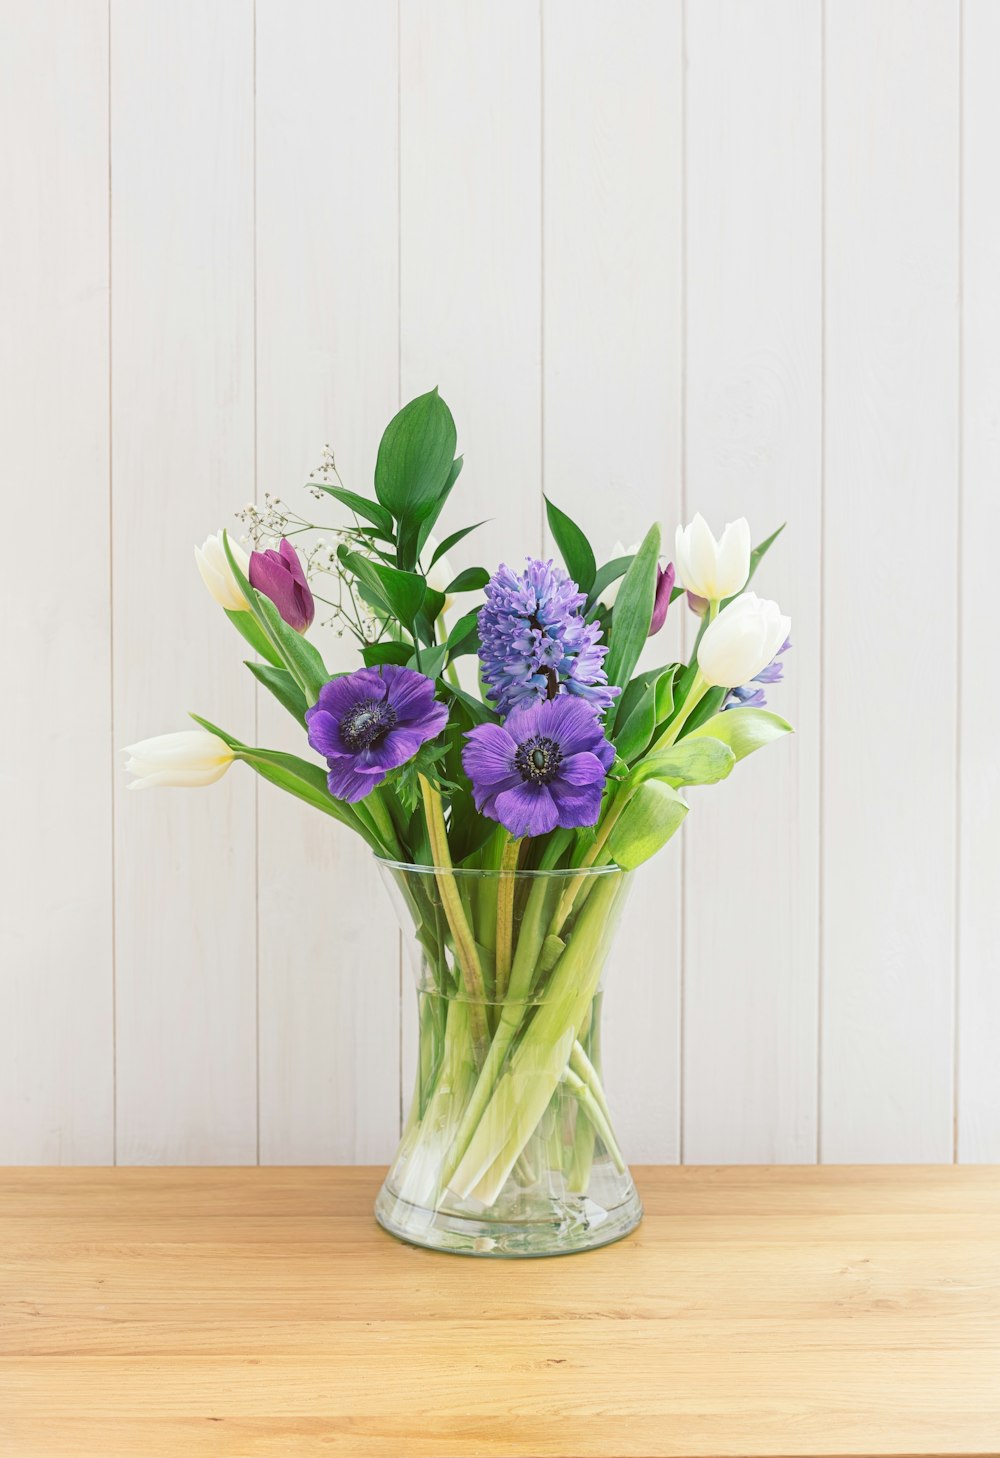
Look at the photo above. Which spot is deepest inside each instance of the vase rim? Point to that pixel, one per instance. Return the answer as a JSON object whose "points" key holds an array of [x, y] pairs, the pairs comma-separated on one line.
{"points": [[497, 873]]}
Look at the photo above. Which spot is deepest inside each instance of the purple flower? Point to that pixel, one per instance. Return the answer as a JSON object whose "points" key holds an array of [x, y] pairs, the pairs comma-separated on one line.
{"points": [[279, 576], [664, 587], [370, 722], [546, 766], [746, 696], [535, 643]]}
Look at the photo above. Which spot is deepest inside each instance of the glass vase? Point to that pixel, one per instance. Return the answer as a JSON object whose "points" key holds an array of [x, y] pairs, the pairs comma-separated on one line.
{"points": [[508, 1148]]}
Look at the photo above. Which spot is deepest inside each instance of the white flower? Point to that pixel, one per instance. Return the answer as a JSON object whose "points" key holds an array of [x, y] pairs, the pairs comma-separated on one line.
{"points": [[189, 759], [217, 574], [610, 594], [741, 641], [712, 569]]}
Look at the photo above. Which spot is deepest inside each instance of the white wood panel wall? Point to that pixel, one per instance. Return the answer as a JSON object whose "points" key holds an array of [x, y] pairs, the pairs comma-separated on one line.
{"points": [[736, 255]]}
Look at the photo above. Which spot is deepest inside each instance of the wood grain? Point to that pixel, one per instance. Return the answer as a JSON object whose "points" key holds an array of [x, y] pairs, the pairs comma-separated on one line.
{"points": [[757, 1311]]}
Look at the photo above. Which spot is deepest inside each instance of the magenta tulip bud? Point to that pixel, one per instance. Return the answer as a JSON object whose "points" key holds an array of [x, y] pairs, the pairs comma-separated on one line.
{"points": [[279, 576], [698, 605], [664, 587]]}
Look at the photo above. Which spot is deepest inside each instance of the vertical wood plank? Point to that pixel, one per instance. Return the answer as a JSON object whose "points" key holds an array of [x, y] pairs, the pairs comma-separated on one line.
{"points": [[753, 359], [327, 370], [612, 311], [892, 107], [56, 1067], [978, 1110], [470, 270], [182, 453]]}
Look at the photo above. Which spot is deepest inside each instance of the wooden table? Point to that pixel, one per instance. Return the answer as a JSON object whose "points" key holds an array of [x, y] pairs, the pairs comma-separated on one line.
{"points": [[251, 1312]]}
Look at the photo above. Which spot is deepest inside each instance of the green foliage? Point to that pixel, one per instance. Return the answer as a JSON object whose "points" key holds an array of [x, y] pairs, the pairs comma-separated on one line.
{"points": [[400, 594], [415, 468], [646, 702], [610, 572], [453, 540], [653, 813], [300, 658], [576, 551], [471, 580], [743, 730], [387, 652], [361, 506], [633, 613], [427, 762], [283, 686], [464, 636], [696, 761], [247, 624], [427, 526]]}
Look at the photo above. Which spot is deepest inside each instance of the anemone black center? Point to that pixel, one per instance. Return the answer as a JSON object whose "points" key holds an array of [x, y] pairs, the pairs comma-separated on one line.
{"points": [[537, 760], [367, 723]]}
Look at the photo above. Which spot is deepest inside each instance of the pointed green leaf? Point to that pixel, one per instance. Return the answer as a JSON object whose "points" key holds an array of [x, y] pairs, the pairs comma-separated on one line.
{"points": [[402, 593], [471, 580], [247, 624], [633, 613], [653, 813], [744, 730], [454, 540], [576, 551], [694, 761], [610, 572], [360, 505], [283, 686]]}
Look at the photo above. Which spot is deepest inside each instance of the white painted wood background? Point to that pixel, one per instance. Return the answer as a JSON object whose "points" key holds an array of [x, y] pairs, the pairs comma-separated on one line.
{"points": [[735, 255]]}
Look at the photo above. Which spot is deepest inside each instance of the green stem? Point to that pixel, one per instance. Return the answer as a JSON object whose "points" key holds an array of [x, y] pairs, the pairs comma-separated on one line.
{"points": [[465, 946], [506, 887]]}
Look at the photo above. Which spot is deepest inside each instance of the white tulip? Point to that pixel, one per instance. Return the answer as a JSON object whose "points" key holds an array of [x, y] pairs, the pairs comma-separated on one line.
{"points": [[189, 759], [217, 574], [709, 568], [741, 641], [610, 594]]}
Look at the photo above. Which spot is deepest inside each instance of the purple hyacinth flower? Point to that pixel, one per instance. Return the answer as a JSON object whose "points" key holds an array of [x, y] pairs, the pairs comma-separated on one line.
{"points": [[746, 696], [545, 766], [664, 587], [370, 722], [535, 642], [279, 576]]}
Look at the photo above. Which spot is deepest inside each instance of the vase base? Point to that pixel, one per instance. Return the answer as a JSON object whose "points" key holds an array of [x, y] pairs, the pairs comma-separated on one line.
{"points": [[526, 1229]]}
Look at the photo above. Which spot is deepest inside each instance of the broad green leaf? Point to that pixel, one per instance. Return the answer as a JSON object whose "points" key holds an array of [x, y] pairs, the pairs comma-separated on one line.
{"points": [[454, 540], [471, 580], [376, 653], [694, 761], [432, 660], [633, 612], [428, 523], [610, 572], [464, 636], [415, 458], [653, 813], [639, 711], [576, 551], [744, 730], [247, 624], [284, 687], [360, 505], [402, 593]]}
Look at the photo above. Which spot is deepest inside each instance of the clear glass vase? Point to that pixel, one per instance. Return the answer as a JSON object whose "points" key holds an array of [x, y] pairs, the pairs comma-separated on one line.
{"points": [[508, 1148]]}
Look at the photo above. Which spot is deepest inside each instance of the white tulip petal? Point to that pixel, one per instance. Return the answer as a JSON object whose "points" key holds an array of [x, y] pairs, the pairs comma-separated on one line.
{"points": [[741, 641], [189, 758], [217, 574], [733, 565]]}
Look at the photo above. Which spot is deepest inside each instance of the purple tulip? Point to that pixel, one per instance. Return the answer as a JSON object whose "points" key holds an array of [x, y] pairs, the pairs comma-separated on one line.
{"points": [[546, 765], [370, 722], [664, 587], [279, 576]]}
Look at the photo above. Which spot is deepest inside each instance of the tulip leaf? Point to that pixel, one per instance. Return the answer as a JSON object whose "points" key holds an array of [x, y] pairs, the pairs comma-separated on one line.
{"points": [[282, 685], [744, 730], [653, 813], [633, 614], [390, 652], [471, 580], [454, 539], [610, 572], [299, 657], [401, 593], [361, 506], [641, 709], [576, 551], [247, 624], [694, 761]]}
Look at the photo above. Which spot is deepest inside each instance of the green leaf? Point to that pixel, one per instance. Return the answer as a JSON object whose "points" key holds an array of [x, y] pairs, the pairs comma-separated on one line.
{"points": [[454, 539], [576, 551], [464, 636], [471, 580], [428, 523], [641, 709], [480, 713], [694, 761], [432, 660], [376, 653], [653, 813], [633, 613], [247, 624], [759, 552], [283, 686], [299, 657], [361, 506], [414, 467], [744, 730], [610, 572], [402, 593]]}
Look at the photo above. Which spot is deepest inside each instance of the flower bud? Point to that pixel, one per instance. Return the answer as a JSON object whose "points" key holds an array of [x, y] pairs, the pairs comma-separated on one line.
{"points": [[664, 587], [711, 569], [741, 641], [217, 574], [188, 759], [279, 576]]}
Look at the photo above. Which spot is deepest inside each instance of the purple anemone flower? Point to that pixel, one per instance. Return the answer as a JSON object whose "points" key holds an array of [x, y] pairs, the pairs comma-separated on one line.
{"points": [[746, 696], [370, 722], [545, 766], [535, 641], [279, 576]]}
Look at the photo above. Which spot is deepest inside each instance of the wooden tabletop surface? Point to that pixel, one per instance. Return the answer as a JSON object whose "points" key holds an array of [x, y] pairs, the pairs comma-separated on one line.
{"points": [[253, 1312]]}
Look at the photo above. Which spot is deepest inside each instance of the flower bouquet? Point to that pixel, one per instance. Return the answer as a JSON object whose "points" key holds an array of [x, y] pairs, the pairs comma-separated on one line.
{"points": [[507, 805]]}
